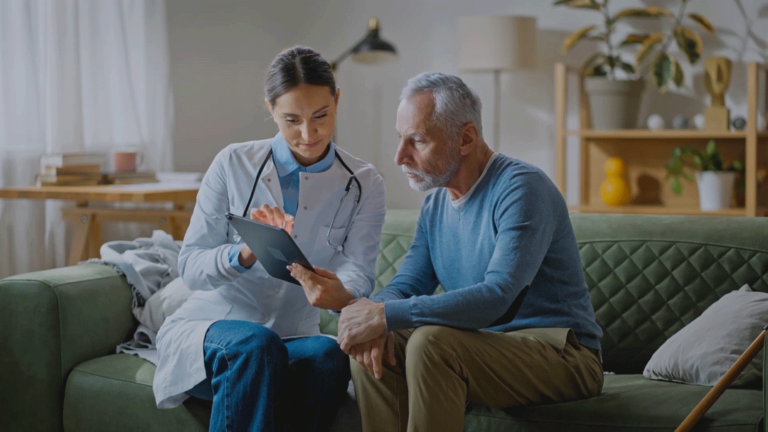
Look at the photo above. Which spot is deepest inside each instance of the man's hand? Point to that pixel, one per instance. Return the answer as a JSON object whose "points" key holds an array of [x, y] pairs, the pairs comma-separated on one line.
{"points": [[363, 320], [322, 288], [369, 354], [270, 216]]}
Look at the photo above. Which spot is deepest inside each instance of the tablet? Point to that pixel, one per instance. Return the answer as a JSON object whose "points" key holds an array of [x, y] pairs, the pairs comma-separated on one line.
{"points": [[274, 248]]}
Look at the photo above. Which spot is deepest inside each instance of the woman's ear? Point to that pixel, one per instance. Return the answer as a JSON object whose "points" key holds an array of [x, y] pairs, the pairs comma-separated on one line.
{"points": [[338, 94], [269, 107]]}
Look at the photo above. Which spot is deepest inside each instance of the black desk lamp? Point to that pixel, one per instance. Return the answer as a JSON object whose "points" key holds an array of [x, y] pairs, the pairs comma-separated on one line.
{"points": [[371, 49]]}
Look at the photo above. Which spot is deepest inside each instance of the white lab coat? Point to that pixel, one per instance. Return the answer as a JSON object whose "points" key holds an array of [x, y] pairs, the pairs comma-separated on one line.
{"points": [[224, 293]]}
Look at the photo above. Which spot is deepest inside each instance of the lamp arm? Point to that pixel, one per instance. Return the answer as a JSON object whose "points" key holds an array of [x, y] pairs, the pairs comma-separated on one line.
{"points": [[346, 54]]}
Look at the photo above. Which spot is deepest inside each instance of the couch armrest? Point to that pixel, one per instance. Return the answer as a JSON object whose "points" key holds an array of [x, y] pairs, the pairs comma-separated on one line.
{"points": [[51, 321]]}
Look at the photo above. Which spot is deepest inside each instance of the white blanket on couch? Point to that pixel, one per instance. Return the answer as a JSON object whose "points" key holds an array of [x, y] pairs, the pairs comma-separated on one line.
{"points": [[150, 266]]}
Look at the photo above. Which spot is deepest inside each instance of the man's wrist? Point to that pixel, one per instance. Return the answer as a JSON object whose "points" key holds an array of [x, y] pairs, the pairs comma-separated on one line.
{"points": [[397, 314], [382, 314]]}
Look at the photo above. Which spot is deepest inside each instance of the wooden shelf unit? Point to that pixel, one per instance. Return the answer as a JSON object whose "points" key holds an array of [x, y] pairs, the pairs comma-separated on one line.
{"points": [[646, 163], [664, 210]]}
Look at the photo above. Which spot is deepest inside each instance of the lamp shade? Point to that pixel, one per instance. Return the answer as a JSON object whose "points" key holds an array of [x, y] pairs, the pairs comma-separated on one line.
{"points": [[373, 49], [496, 42]]}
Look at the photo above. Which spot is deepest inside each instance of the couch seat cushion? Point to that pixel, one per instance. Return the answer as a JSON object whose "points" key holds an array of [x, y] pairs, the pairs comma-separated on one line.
{"points": [[114, 393], [631, 403]]}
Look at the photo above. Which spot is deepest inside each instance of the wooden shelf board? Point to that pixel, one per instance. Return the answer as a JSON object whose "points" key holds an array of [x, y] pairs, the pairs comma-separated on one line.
{"points": [[661, 210], [661, 134]]}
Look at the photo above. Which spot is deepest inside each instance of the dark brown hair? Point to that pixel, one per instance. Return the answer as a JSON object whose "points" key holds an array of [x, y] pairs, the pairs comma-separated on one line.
{"points": [[295, 66]]}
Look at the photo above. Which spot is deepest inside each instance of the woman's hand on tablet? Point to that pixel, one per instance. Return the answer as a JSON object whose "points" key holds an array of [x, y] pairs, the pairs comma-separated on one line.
{"points": [[270, 216], [273, 216]]}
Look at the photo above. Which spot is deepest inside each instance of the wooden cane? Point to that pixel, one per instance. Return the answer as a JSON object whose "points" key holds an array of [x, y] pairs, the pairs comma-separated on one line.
{"points": [[723, 384]]}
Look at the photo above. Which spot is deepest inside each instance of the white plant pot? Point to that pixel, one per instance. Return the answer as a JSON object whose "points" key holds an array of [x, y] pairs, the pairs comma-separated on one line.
{"points": [[715, 189], [613, 104]]}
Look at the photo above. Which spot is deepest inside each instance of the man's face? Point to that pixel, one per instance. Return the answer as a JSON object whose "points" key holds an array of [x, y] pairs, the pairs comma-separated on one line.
{"points": [[426, 154]]}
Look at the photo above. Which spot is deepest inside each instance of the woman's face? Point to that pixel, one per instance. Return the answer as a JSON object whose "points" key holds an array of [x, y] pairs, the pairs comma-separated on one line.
{"points": [[306, 117]]}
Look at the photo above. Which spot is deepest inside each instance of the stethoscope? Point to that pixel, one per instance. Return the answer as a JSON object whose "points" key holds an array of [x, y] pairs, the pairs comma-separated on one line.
{"points": [[336, 247]]}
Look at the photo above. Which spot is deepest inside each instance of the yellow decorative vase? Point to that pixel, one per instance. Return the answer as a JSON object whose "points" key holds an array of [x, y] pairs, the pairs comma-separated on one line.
{"points": [[615, 190]]}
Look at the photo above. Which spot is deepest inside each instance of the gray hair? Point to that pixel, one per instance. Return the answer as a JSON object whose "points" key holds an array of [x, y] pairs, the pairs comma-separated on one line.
{"points": [[456, 104]]}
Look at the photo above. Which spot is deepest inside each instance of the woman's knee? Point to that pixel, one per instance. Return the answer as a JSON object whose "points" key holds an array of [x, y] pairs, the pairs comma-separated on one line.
{"points": [[329, 357], [247, 339]]}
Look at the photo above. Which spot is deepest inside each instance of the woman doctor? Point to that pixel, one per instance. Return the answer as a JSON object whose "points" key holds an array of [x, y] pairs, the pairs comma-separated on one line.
{"points": [[231, 342]]}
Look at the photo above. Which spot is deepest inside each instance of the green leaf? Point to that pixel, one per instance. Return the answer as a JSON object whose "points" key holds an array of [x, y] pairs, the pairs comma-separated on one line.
{"points": [[677, 152], [675, 166], [677, 185], [703, 22], [688, 176], [634, 39], [648, 12], [689, 43], [737, 165], [716, 162], [583, 4], [627, 67], [663, 70], [678, 77], [575, 37], [598, 71], [645, 48], [594, 59], [711, 148], [697, 161]]}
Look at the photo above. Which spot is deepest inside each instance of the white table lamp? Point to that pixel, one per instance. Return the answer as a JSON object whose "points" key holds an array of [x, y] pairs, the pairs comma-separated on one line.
{"points": [[495, 43]]}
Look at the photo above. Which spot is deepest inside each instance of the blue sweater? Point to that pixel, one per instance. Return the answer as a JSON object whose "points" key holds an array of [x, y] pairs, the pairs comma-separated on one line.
{"points": [[507, 259]]}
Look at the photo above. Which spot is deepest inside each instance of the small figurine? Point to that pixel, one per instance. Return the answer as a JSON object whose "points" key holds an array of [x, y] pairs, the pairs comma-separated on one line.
{"points": [[680, 122], [615, 190], [655, 122], [739, 123]]}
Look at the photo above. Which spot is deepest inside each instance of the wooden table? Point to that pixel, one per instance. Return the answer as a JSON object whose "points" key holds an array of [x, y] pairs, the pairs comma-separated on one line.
{"points": [[88, 219]]}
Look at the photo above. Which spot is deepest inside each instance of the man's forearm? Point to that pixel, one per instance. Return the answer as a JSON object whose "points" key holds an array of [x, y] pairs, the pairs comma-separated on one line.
{"points": [[470, 308]]}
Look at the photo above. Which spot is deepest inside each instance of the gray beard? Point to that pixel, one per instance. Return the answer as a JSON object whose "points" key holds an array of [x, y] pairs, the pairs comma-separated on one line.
{"points": [[435, 180]]}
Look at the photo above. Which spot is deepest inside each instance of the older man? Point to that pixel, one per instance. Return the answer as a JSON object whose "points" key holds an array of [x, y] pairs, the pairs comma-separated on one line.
{"points": [[515, 325]]}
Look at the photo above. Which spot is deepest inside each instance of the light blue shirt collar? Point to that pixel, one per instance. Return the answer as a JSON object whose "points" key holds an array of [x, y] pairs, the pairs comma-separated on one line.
{"points": [[286, 163]]}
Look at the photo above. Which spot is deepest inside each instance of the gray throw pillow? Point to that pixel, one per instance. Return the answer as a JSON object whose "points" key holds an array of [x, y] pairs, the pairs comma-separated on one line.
{"points": [[703, 351]]}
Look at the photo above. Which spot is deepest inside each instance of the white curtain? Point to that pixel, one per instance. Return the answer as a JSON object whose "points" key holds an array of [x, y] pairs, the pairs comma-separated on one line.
{"points": [[75, 75]]}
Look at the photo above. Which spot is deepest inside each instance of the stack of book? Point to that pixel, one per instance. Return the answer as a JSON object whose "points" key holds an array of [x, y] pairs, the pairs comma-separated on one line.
{"points": [[84, 169], [70, 169], [130, 177]]}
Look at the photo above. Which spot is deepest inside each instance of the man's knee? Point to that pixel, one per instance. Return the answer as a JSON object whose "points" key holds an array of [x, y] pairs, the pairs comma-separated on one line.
{"points": [[429, 344]]}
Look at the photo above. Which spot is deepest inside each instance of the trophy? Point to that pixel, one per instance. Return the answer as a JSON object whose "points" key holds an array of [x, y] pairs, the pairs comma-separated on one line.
{"points": [[717, 77]]}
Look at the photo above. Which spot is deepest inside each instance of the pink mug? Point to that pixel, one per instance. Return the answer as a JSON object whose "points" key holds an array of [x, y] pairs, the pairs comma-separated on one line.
{"points": [[127, 161]]}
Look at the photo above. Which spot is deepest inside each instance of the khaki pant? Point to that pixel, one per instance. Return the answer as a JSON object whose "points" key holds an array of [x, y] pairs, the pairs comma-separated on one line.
{"points": [[440, 368]]}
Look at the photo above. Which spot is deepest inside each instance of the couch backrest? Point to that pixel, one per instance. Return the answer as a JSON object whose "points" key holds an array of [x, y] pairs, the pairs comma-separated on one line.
{"points": [[649, 276]]}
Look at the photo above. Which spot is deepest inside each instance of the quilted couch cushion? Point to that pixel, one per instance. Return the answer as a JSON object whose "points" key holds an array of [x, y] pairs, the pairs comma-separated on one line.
{"points": [[396, 238], [628, 403], [649, 276], [114, 393]]}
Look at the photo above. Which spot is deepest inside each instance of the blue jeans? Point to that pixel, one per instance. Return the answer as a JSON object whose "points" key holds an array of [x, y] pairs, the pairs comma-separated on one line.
{"points": [[257, 382]]}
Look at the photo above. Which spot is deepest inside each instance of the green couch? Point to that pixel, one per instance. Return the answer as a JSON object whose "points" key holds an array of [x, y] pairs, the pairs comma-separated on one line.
{"points": [[648, 276]]}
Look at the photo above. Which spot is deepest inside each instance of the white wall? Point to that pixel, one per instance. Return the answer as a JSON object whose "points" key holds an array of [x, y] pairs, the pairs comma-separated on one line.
{"points": [[220, 51], [218, 75]]}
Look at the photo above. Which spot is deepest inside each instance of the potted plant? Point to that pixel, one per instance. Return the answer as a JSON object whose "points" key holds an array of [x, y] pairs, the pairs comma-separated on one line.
{"points": [[715, 184], [614, 84]]}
